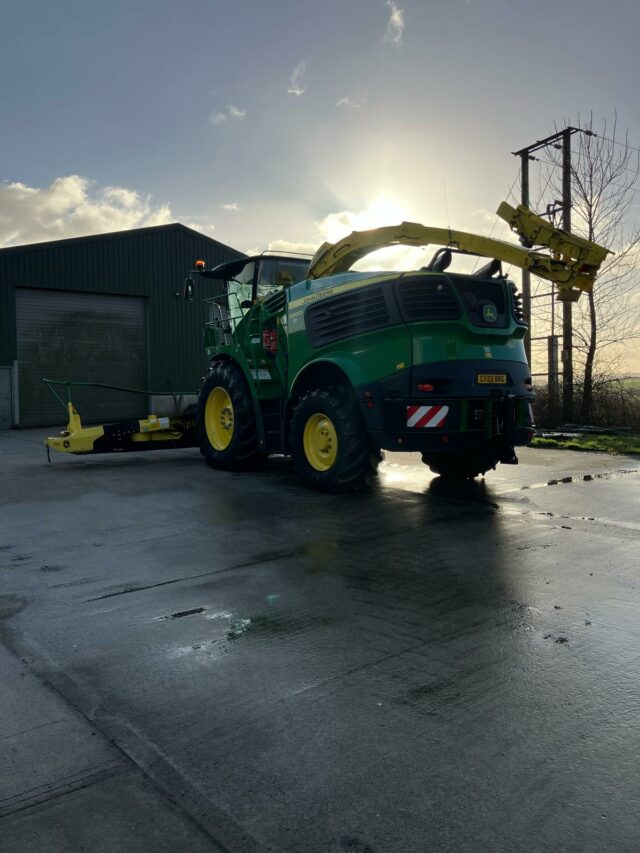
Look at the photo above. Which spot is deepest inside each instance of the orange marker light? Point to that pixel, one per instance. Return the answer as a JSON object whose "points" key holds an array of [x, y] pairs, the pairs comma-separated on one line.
{"points": [[200, 265]]}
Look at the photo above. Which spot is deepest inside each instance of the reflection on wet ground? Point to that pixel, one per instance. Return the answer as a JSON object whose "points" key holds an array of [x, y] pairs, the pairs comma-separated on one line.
{"points": [[423, 666]]}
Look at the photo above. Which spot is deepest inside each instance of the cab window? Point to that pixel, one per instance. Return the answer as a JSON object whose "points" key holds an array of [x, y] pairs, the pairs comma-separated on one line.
{"points": [[276, 273], [239, 291]]}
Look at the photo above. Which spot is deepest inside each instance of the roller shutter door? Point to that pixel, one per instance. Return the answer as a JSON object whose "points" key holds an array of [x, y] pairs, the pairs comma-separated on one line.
{"points": [[86, 337]]}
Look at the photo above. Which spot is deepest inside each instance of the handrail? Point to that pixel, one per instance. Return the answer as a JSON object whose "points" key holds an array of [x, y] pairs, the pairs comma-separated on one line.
{"points": [[68, 384]]}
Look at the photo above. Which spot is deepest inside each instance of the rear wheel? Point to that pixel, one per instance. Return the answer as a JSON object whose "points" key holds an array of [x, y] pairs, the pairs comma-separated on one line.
{"points": [[329, 443], [461, 466], [226, 423]]}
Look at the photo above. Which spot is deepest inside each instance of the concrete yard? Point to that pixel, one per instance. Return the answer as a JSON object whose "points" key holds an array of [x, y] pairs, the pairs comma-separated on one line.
{"points": [[196, 660]]}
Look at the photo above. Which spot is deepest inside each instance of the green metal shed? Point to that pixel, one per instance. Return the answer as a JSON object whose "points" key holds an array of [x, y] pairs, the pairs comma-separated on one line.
{"points": [[106, 308]]}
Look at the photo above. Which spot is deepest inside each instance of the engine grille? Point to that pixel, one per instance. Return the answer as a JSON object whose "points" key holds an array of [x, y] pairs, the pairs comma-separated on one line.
{"points": [[275, 304], [346, 315], [516, 301], [427, 298]]}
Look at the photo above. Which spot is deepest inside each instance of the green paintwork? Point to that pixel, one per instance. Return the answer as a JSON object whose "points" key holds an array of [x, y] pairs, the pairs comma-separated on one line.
{"points": [[409, 377], [366, 357], [378, 354]]}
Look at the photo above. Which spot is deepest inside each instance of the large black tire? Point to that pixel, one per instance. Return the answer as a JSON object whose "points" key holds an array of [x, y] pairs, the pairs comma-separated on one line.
{"points": [[226, 422], [461, 465], [329, 442]]}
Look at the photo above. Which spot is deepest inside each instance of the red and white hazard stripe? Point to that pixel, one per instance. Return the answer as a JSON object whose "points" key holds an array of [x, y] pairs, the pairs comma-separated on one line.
{"points": [[426, 416]]}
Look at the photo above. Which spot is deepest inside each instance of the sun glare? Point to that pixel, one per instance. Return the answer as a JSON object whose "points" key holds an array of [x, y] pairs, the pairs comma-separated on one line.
{"points": [[382, 210]]}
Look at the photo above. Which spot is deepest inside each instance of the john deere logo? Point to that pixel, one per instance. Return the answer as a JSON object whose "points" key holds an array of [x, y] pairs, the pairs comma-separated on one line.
{"points": [[489, 313]]}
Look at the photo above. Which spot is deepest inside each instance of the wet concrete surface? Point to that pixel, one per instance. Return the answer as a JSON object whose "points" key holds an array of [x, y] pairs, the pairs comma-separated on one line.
{"points": [[416, 668]]}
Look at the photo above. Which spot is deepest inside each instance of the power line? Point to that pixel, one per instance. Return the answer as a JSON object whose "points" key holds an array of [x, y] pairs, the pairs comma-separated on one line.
{"points": [[542, 192], [617, 142], [495, 221], [634, 172], [510, 195], [613, 184], [549, 140]]}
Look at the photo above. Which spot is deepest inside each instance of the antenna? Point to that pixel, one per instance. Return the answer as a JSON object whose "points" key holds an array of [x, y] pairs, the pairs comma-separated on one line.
{"points": [[446, 207]]}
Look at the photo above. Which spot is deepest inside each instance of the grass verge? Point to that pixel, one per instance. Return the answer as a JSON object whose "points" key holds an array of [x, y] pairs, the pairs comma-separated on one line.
{"points": [[599, 443]]}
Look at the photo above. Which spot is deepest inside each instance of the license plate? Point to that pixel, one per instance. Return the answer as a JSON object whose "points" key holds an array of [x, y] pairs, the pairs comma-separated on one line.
{"points": [[492, 379]]}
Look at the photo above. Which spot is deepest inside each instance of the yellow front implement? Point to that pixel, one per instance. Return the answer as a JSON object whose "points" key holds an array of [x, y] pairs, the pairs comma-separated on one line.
{"points": [[147, 433], [572, 263]]}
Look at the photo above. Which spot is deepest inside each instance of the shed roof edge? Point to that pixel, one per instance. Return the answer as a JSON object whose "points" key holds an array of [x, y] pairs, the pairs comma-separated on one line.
{"points": [[111, 235]]}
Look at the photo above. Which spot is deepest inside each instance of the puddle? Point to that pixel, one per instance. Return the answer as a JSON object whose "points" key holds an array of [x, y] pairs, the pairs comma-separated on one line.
{"points": [[239, 627], [561, 640], [277, 625], [180, 614], [583, 478], [204, 651], [629, 525]]}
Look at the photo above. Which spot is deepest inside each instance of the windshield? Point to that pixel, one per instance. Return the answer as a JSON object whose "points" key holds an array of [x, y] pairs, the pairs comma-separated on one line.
{"points": [[276, 273]]}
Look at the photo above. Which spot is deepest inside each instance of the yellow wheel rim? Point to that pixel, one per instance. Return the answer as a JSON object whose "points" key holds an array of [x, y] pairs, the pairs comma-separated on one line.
{"points": [[320, 442], [218, 419]]}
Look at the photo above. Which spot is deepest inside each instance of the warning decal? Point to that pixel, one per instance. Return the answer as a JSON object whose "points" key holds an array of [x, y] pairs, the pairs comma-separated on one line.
{"points": [[426, 416]]}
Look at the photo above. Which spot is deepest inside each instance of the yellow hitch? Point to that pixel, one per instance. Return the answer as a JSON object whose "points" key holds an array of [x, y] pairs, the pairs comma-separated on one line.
{"points": [[141, 434]]}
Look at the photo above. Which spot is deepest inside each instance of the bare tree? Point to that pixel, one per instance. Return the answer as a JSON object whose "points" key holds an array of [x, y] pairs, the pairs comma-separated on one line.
{"points": [[605, 172]]}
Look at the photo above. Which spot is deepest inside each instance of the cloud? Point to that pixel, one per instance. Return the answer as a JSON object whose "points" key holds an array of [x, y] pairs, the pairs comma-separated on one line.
{"points": [[72, 206], [207, 228], [381, 211], [230, 205], [295, 87], [395, 24], [288, 246], [231, 113], [351, 103]]}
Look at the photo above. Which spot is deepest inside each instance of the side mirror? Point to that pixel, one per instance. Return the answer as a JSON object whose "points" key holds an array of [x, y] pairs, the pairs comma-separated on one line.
{"points": [[188, 290]]}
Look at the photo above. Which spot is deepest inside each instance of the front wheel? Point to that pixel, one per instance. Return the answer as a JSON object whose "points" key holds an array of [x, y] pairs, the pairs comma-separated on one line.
{"points": [[329, 443], [226, 422]]}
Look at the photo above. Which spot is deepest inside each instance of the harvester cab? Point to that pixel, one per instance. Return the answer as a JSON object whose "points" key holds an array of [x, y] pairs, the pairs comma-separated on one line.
{"points": [[246, 283]]}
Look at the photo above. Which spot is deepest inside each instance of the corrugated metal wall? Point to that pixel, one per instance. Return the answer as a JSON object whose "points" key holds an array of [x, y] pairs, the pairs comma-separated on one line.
{"points": [[6, 398], [149, 263], [92, 336]]}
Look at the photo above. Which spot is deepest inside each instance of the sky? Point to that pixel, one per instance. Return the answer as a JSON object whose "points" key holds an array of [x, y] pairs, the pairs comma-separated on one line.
{"points": [[288, 122]]}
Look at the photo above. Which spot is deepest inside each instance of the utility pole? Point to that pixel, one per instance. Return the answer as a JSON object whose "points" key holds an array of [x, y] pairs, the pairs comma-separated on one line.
{"points": [[526, 275], [525, 155], [567, 312]]}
